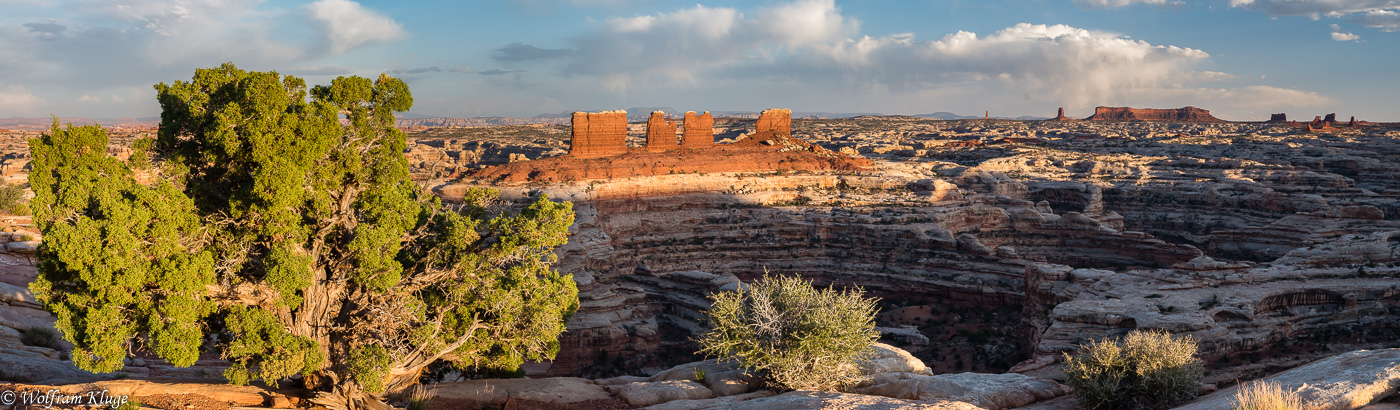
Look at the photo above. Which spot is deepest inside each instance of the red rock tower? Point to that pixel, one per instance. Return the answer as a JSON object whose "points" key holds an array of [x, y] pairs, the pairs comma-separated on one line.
{"points": [[699, 130], [661, 134], [1280, 117], [773, 122], [598, 134], [1061, 116], [1330, 119]]}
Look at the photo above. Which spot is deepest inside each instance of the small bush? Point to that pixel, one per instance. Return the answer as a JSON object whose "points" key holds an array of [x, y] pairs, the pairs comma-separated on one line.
{"points": [[39, 336], [1145, 370], [12, 200], [418, 399], [1266, 396], [791, 335]]}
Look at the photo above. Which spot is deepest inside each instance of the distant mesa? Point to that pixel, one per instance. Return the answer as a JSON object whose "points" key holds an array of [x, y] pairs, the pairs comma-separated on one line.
{"points": [[1280, 117], [1184, 114], [598, 150]]}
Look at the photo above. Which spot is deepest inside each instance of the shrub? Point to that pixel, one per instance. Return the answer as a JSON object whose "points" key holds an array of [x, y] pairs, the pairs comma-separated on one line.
{"points": [[791, 335], [12, 200], [1145, 370], [39, 336], [1265, 396]]}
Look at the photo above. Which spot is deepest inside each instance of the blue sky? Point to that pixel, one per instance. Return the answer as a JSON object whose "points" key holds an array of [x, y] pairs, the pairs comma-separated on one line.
{"points": [[1241, 59]]}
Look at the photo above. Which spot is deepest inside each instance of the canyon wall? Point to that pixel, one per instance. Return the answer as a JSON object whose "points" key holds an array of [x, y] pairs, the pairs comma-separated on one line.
{"points": [[598, 134], [699, 130], [661, 134], [1185, 114]]}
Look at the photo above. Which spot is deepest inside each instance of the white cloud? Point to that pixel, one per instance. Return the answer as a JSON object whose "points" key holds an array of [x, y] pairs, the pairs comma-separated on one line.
{"points": [[1386, 20], [1338, 35], [17, 100], [348, 25], [89, 99], [1108, 4]]}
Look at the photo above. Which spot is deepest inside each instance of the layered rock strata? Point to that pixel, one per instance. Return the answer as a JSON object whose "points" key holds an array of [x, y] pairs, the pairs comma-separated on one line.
{"points": [[699, 130], [598, 134], [773, 122], [661, 134], [1185, 114]]}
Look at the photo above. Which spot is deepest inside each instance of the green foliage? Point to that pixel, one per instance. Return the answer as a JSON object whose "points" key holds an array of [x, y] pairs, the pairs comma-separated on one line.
{"points": [[790, 334], [39, 336], [141, 153], [300, 241], [12, 200], [1265, 396], [1145, 370]]}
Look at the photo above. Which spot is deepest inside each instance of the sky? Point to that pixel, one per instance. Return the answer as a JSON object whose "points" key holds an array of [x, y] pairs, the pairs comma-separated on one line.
{"points": [[1241, 59]]}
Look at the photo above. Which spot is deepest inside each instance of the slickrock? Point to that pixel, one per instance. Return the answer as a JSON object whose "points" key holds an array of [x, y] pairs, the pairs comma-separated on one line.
{"points": [[1346, 381], [699, 130], [646, 394], [990, 391], [1187, 114], [814, 400], [553, 390]]}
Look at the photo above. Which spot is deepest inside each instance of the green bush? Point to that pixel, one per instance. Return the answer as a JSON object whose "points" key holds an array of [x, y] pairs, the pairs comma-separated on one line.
{"points": [[1145, 370], [39, 336], [791, 335], [12, 200]]}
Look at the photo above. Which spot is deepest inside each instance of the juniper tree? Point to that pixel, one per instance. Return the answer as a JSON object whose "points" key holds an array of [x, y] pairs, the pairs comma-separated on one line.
{"points": [[286, 231]]}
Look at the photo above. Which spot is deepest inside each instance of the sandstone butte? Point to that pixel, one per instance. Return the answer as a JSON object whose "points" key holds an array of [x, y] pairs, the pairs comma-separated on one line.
{"points": [[1061, 116], [598, 151], [1184, 114]]}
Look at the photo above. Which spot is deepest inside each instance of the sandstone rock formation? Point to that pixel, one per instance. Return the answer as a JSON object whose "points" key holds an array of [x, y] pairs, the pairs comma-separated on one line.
{"points": [[1346, 381], [1185, 114], [599, 134], [1278, 118], [661, 134], [699, 130], [773, 122], [1061, 116]]}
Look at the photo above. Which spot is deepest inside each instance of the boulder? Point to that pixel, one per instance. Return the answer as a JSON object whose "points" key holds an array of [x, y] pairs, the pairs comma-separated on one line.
{"points": [[23, 246], [1346, 381], [555, 390], [687, 371], [892, 359], [806, 399], [727, 383], [646, 394], [991, 391]]}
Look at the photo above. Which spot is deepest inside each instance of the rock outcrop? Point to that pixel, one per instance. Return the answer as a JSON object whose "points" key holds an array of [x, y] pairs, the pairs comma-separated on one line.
{"points": [[699, 130], [1061, 116], [1278, 118], [1185, 114], [661, 134], [1346, 381], [773, 122], [598, 134]]}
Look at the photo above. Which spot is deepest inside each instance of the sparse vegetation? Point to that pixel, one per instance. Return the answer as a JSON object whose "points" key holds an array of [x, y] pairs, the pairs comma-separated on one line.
{"points": [[1265, 396], [39, 336], [12, 200], [790, 334], [1145, 370]]}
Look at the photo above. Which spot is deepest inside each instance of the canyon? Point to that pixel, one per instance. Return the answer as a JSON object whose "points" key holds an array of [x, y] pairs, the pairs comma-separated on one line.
{"points": [[996, 246]]}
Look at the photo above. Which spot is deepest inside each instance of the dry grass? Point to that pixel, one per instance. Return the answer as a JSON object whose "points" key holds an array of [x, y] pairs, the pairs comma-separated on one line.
{"points": [[1266, 396]]}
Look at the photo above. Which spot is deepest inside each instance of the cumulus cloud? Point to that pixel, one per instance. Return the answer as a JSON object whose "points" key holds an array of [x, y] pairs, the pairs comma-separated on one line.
{"points": [[1108, 4], [89, 99], [1339, 35], [347, 24], [1386, 20]]}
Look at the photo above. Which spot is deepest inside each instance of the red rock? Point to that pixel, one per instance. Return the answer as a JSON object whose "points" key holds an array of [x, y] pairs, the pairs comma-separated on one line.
{"points": [[1280, 117], [1184, 114], [772, 123], [598, 134], [1061, 116], [1330, 119], [699, 130], [661, 134]]}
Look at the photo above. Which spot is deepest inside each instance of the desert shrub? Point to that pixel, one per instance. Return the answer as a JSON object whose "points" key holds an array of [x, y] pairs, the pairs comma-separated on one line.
{"points": [[1145, 370], [792, 335], [1265, 396], [39, 336], [12, 200]]}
